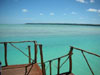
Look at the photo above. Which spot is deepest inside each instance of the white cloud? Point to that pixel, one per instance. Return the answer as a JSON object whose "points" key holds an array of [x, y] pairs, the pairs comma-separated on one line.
{"points": [[52, 14], [91, 1], [41, 14], [24, 10], [73, 13], [81, 1], [92, 10]]}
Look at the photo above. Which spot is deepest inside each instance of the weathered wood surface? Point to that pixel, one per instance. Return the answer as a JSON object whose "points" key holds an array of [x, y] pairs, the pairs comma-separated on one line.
{"points": [[29, 52], [5, 47], [16, 42], [20, 70], [85, 51], [58, 66], [35, 51], [42, 63]]}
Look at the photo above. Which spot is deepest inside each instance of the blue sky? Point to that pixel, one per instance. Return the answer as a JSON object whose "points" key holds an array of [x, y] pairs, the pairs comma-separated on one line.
{"points": [[52, 11]]}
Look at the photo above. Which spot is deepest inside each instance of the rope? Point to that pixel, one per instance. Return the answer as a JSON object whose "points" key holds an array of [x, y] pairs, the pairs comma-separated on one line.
{"points": [[20, 50]]}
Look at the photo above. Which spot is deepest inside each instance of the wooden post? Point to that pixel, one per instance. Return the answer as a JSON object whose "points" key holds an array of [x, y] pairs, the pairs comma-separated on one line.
{"points": [[58, 66], [70, 59], [25, 70], [42, 64], [44, 68], [50, 67], [29, 52], [5, 48], [35, 53]]}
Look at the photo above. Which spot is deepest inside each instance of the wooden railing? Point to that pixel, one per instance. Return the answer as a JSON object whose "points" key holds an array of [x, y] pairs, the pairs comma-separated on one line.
{"points": [[29, 55], [59, 65], [29, 50], [70, 61], [69, 56], [84, 51]]}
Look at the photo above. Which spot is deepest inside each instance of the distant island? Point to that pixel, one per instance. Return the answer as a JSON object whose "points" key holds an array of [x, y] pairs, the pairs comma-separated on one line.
{"points": [[63, 24]]}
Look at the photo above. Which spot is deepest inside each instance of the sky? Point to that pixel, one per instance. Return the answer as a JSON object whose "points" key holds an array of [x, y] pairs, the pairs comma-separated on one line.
{"points": [[49, 11]]}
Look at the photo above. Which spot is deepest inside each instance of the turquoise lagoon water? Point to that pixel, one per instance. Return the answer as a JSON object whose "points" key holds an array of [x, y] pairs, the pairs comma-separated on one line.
{"points": [[56, 40]]}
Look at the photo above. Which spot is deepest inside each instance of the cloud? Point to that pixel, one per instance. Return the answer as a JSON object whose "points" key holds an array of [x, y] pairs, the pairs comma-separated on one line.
{"points": [[41, 14], [24, 10], [52, 14], [92, 10], [73, 13], [81, 1], [92, 1]]}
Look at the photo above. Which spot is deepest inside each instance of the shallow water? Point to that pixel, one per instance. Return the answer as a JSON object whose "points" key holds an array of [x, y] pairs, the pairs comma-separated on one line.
{"points": [[56, 40]]}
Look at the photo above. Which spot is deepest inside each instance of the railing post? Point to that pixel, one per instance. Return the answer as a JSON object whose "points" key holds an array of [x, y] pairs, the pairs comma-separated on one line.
{"points": [[70, 59], [58, 66], [50, 68], [5, 48], [43, 66], [35, 52], [29, 52], [44, 69]]}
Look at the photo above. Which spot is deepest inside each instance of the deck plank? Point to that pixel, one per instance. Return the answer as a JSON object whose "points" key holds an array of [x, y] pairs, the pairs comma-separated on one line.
{"points": [[20, 70]]}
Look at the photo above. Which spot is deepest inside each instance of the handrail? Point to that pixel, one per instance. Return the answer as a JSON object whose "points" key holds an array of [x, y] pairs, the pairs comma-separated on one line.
{"points": [[70, 60], [16, 42], [82, 51], [60, 65], [21, 51], [56, 58], [85, 51], [11, 43], [50, 61]]}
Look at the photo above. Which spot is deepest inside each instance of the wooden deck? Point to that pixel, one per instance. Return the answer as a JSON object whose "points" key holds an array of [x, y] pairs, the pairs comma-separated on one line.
{"points": [[20, 70]]}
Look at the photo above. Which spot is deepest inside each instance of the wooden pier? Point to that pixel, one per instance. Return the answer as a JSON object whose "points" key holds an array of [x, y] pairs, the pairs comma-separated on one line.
{"points": [[33, 67], [23, 69]]}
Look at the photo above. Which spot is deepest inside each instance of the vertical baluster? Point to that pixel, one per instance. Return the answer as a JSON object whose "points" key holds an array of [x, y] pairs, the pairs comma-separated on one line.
{"points": [[70, 59], [41, 54], [58, 66], [5, 48], [50, 68], [35, 48], [29, 54]]}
